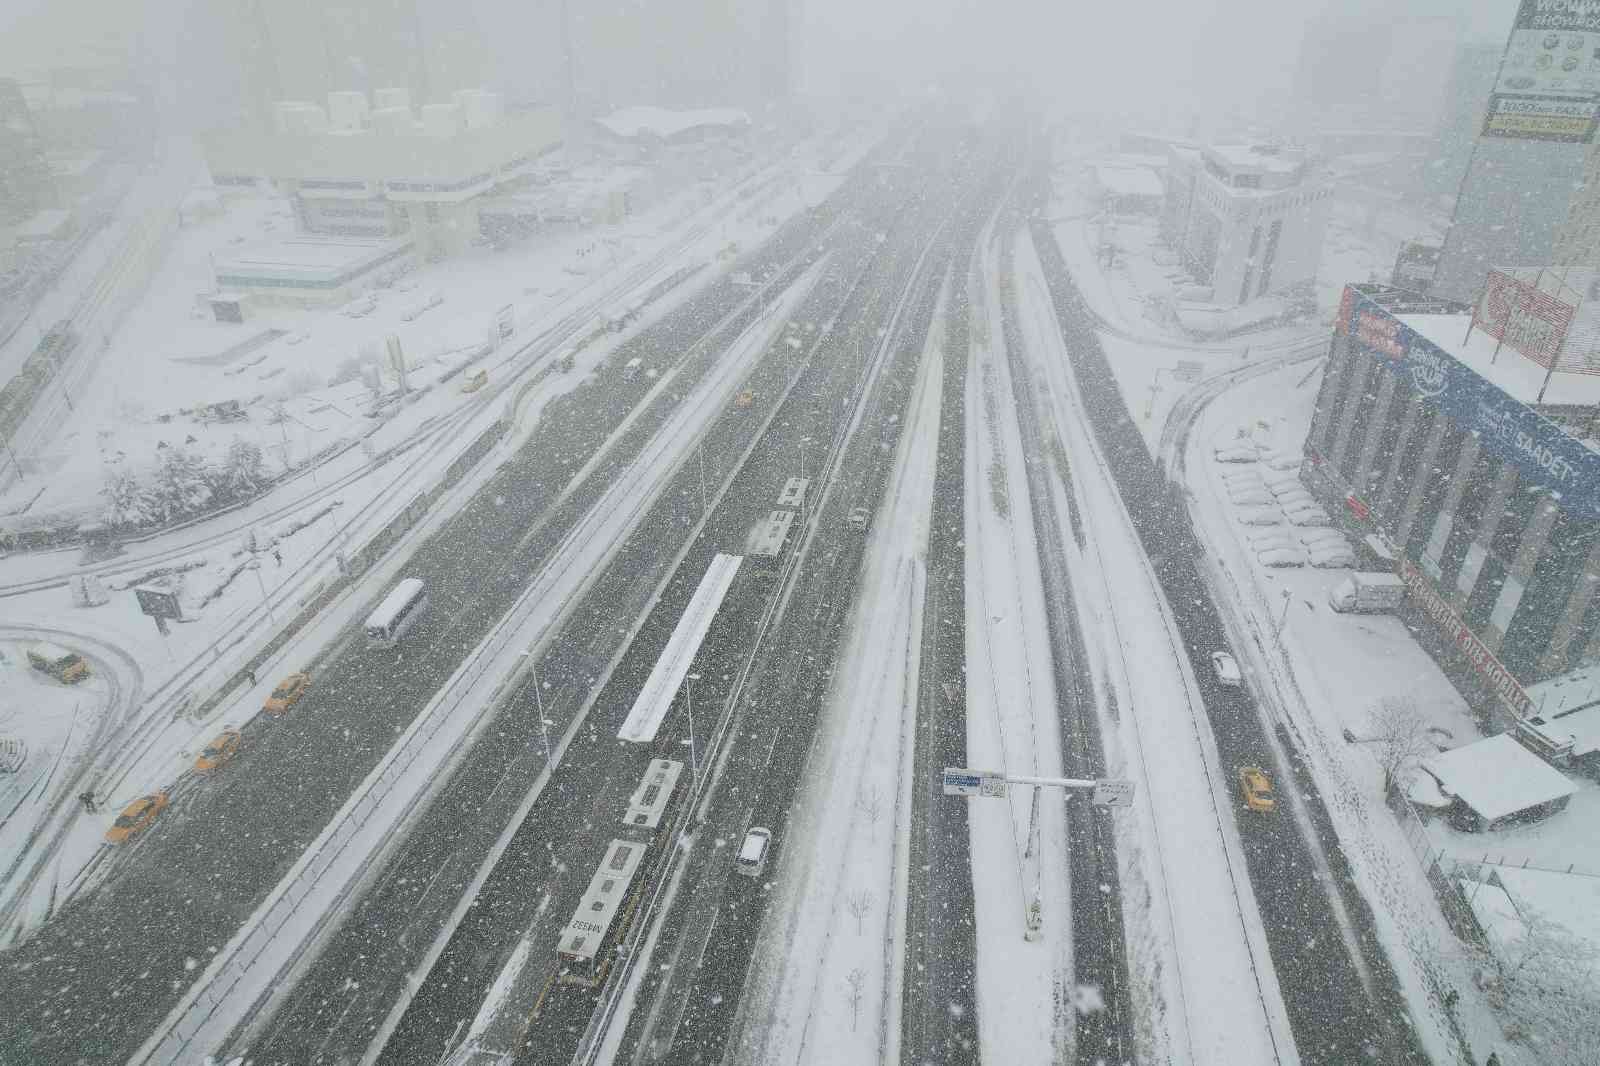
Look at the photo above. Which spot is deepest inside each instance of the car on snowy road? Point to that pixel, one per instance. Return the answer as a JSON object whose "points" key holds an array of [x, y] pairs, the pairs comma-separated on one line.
{"points": [[288, 693], [220, 751], [1227, 670], [752, 857], [1257, 789], [136, 817]]}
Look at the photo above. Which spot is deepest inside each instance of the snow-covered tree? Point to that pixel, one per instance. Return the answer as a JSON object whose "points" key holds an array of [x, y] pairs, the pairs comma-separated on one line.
{"points": [[1545, 988], [243, 472], [127, 500], [180, 487]]}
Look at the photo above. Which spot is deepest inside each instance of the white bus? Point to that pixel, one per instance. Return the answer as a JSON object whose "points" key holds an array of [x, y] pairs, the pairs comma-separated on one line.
{"points": [[397, 613], [589, 942]]}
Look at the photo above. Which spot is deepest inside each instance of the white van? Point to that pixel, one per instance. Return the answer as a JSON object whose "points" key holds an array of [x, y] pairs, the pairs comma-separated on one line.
{"points": [[752, 858], [397, 613]]}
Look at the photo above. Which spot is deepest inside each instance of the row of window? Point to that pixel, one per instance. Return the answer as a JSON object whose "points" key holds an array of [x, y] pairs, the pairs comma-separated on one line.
{"points": [[1472, 547]]}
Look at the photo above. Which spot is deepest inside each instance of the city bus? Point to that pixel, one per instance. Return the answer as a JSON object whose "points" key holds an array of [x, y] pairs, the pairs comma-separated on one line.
{"points": [[397, 613], [604, 915]]}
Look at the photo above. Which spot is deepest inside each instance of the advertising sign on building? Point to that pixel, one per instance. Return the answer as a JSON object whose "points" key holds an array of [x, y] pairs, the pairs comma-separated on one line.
{"points": [[1539, 448], [1490, 670], [1525, 319], [1549, 83]]}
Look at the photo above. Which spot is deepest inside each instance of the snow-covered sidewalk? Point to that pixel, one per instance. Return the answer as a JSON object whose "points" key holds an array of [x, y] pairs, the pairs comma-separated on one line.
{"points": [[1203, 978]]}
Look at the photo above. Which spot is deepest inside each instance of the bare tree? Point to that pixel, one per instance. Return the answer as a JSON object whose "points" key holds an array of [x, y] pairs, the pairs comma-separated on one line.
{"points": [[856, 979], [1400, 733], [1544, 988], [869, 801], [860, 905]]}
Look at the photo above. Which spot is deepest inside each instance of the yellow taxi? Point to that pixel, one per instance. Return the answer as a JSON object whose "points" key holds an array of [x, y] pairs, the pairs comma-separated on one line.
{"points": [[745, 399], [288, 693], [1257, 788], [136, 817], [219, 751]]}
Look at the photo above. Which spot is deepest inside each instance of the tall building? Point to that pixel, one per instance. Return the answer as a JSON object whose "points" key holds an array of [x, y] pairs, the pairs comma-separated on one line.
{"points": [[1247, 220], [1578, 239], [25, 181], [1374, 73]]}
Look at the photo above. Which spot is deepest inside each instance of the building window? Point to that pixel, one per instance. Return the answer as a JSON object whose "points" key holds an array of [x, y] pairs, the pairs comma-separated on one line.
{"points": [[1555, 575], [1272, 253]]}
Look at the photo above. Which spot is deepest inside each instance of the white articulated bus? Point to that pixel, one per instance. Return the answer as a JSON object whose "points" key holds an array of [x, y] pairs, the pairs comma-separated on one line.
{"points": [[397, 613]]}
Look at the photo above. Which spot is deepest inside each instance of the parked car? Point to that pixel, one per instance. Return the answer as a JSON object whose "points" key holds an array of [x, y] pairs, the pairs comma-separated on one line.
{"points": [[1281, 558], [1260, 516], [1309, 516], [1332, 557], [1282, 461], [1236, 455], [745, 399], [220, 751], [1271, 537], [1227, 670], [1257, 788], [859, 519], [1245, 496], [1314, 537], [288, 693], [752, 857], [136, 817]]}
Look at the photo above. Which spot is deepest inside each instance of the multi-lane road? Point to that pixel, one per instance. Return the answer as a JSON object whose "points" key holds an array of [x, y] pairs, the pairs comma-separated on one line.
{"points": [[404, 969]]}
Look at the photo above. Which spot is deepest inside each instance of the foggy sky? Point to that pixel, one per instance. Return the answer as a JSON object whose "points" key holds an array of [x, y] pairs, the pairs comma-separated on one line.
{"points": [[1155, 58]]}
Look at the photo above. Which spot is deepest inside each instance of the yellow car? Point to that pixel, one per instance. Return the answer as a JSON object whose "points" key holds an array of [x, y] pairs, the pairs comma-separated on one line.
{"points": [[219, 751], [136, 817], [288, 693], [1257, 787], [744, 399]]}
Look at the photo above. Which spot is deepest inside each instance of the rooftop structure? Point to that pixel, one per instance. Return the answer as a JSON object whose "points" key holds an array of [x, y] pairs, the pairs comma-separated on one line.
{"points": [[311, 269], [1497, 779]]}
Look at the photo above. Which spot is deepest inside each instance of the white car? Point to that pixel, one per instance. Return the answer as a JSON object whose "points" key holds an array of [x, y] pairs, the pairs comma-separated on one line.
{"points": [[752, 857], [1227, 671], [1282, 461], [1281, 558], [1332, 558], [1243, 496], [1246, 474], [1321, 537], [1272, 537], [1260, 516], [1309, 516], [1236, 455]]}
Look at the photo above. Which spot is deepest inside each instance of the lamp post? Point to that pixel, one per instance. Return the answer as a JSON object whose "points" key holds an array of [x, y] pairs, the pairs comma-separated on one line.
{"points": [[1283, 620], [538, 699], [694, 762], [704, 508], [255, 565]]}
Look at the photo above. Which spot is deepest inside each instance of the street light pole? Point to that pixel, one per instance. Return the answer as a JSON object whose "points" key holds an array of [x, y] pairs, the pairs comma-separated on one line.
{"points": [[538, 698], [694, 762], [255, 565], [704, 508], [1283, 620]]}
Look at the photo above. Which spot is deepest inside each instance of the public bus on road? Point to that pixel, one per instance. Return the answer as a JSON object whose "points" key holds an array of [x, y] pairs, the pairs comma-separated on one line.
{"points": [[397, 613], [605, 914]]}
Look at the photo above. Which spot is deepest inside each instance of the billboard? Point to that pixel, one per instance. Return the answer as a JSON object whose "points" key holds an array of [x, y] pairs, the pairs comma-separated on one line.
{"points": [[1539, 448], [1523, 318], [159, 602], [1548, 88]]}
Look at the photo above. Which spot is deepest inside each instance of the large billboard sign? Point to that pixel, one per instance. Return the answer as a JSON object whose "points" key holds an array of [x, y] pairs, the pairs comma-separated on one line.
{"points": [[1490, 670], [1523, 318], [1541, 451], [1549, 83]]}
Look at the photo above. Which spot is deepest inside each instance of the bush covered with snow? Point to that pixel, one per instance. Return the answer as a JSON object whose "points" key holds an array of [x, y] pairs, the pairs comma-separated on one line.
{"points": [[180, 484]]}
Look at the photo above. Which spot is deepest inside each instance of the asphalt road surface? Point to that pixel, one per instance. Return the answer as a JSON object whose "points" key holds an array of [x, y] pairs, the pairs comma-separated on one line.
{"points": [[99, 977], [548, 865], [1334, 1018]]}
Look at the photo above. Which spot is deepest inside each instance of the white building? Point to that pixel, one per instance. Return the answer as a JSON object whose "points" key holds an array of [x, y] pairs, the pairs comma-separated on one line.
{"points": [[382, 174], [1247, 220]]}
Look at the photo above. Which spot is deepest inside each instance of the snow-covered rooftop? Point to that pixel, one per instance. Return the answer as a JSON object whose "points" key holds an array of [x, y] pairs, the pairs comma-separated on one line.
{"points": [[1572, 901], [1498, 777], [1253, 157], [307, 258], [1568, 706], [1127, 180], [1516, 376], [664, 123]]}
